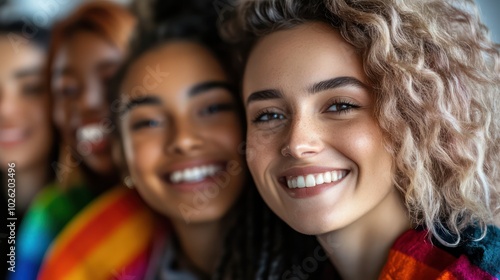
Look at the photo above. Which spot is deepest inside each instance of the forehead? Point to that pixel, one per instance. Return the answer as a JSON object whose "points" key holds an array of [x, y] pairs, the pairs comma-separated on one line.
{"points": [[17, 53], [173, 66], [305, 54], [83, 50]]}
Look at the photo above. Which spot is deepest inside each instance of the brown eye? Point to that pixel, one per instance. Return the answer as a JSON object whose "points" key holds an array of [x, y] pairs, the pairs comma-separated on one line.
{"points": [[216, 108], [32, 89], [341, 107], [268, 116], [145, 124]]}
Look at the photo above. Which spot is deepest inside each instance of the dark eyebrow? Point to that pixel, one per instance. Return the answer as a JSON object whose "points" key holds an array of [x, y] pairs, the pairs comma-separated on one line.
{"points": [[138, 101], [264, 95], [22, 73], [207, 86], [104, 65], [336, 83]]}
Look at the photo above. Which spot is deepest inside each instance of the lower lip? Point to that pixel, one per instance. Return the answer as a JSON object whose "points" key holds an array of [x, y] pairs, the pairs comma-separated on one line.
{"points": [[312, 191], [10, 144], [97, 147]]}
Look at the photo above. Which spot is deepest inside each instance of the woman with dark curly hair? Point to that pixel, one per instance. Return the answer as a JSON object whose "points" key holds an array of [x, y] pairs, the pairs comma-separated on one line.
{"points": [[374, 125]]}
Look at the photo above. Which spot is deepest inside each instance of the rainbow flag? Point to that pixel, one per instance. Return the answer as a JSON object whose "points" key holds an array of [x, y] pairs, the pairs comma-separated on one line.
{"points": [[51, 210], [110, 239]]}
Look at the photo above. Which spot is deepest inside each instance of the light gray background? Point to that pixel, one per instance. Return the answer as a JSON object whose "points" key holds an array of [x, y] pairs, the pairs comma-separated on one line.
{"points": [[490, 13], [46, 11]]}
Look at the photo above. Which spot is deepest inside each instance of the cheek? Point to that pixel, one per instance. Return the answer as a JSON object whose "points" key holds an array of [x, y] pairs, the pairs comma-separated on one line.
{"points": [[260, 151], [228, 136], [367, 150], [141, 154]]}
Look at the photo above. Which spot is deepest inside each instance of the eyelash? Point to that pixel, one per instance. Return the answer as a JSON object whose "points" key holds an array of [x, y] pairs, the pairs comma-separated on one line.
{"points": [[144, 123], [342, 103], [264, 113], [215, 108], [338, 102]]}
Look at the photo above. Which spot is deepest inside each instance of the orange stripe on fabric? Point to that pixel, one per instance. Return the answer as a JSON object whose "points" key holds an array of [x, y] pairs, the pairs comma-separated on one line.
{"points": [[82, 234], [446, 276], [108, 259], [401, 266], [425, 252]]}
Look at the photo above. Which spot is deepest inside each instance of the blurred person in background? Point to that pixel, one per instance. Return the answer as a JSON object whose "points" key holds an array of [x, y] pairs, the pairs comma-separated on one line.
{"points": [[26, 130], [27, 135], [180, 124], [86, 49]]}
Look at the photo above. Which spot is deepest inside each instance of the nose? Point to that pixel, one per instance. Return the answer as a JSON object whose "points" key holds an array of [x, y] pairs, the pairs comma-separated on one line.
{"points": [[93, 97], [184, 139], [303, 139]]}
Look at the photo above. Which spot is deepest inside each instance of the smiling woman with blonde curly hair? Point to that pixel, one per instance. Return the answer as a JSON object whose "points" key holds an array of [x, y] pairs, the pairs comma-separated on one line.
{"points": [[380, 119]]}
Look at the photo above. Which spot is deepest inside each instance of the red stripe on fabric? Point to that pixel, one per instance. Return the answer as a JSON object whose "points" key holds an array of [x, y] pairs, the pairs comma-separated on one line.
{"points": [[415, 243]]}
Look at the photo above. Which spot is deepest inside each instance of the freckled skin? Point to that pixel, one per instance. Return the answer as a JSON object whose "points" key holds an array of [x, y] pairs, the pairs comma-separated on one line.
{"points": [[179, 132], [291, 61]]}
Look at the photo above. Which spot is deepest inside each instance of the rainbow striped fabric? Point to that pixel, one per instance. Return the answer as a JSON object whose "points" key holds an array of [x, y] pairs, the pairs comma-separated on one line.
{"points": [[110, 239], [414, 257], [51, 210]]}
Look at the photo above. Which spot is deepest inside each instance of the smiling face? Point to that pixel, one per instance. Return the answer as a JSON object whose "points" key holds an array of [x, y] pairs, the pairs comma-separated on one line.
{"points": [[315, 149], [81, 73], [25, 122], [181, 133]]}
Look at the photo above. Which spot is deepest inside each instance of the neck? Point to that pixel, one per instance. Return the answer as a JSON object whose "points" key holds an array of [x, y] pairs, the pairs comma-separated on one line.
{"points": [[201, 242], [360, 250], [28, 182]]}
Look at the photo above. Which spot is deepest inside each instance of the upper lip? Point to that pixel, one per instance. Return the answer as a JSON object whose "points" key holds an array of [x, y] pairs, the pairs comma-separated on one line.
{"points": [[301, 171]]}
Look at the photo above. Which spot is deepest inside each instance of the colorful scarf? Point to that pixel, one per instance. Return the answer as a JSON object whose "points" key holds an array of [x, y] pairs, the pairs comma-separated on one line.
{"points": [[51, 210], [110, 239], [414, 257]]}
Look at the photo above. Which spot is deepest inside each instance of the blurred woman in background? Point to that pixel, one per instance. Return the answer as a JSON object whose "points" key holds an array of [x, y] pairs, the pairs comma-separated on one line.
{"points": [[27, 134], [28, 141], [86, 49]]}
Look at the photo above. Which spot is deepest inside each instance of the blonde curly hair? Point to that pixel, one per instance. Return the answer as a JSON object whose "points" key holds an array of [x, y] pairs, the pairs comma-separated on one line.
{"points": [[435, 74]]}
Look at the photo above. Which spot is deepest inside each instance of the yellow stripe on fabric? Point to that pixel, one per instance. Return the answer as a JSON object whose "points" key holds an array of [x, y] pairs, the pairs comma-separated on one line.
{"points": [[117, 250]]}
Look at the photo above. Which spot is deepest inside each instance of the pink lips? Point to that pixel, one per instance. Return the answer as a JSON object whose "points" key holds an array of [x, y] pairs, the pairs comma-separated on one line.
{"points": [[11, 136]]}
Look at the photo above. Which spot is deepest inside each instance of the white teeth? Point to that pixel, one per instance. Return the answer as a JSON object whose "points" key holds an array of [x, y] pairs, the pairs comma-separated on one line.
{"points": [[335, 176], [194, 174], [301, 183], [319, 179], [11, 135], [312, 180], [327, 177], [91, 133]]}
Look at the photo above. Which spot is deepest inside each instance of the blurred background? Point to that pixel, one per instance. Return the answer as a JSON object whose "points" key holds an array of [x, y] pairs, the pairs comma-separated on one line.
{"points": [[45, 12]]}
